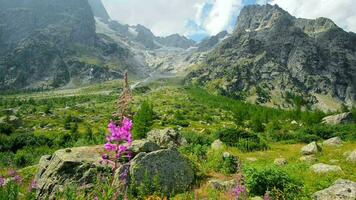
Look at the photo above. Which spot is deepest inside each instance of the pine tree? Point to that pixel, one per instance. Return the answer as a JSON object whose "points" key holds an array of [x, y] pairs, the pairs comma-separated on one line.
{"points": [[143, 120]]}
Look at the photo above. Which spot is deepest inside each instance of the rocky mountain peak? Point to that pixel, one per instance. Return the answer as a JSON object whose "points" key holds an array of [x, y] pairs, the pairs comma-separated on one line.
{"points": [[275, 51], [257, 17], [99, 9]]}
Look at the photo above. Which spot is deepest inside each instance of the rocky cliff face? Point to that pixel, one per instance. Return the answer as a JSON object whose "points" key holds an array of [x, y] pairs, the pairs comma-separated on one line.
{"points": [[211, 42], [276, 52], [99, 10], [46, 44], [176, 40]]}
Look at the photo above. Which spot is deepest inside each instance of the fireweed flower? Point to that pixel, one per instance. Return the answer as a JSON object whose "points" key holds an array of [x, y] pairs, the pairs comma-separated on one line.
{"points": [[2, 181], [239, 192], [12, 173], [33, 186], [18, 179], [118, 142]]}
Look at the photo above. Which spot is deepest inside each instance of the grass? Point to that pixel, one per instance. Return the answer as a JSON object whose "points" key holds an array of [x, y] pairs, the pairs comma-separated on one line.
{"points": [[192, 111]]}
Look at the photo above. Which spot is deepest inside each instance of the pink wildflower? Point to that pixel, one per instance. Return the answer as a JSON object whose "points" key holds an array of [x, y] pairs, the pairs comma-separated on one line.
{"points": [[33, 186], [2, 181]]}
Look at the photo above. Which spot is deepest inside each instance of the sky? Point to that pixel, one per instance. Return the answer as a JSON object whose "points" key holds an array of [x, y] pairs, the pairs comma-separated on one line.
{"points": [[197, 19]]}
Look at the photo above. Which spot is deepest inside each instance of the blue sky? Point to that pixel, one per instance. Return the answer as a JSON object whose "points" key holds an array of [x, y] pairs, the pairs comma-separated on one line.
{"points": [[200, 18]]}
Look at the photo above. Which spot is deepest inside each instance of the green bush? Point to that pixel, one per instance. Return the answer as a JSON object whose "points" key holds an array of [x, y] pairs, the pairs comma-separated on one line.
{"points": [[229, 165], [29, 156], [241, 139], [272, 178], [6, 128], [218, 163], [18, 141], [196, 138], [143, 120]]}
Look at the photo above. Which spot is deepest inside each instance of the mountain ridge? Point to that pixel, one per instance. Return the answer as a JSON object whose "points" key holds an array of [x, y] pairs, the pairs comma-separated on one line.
{"points": [[274, 51]]}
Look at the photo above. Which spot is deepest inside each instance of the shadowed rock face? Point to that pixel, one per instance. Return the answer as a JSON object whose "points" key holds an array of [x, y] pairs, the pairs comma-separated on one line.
{"points": [[75, 166], [99, 9], [49, 44], [274, 50]]}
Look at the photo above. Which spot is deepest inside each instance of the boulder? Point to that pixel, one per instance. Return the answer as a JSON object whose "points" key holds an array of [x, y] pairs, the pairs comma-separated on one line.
{"points": [[144, 145], [340, 190], [251, 159], [256, 198], [280, 161], [322, 168], [221, 185], [351, 157], [164, 170], [311, 148], [343, 118], [308, 159], [75, 166], [217, 145], [166, 138], [335, 141]]}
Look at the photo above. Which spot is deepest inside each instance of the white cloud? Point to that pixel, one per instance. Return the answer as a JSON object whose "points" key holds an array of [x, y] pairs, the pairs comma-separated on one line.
{"points": [[221, 15], [342, 12], [163, 17], [166, 17]]}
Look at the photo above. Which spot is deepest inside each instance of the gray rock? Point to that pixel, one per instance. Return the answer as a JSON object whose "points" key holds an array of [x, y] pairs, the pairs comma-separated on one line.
{"points": [[164, 169], [340, 190], [311, 148], [335, 141], [280, 161], [222, 185], [144, 145], [251, 159], [256, 198], [308, 159], [166, 138], [75, 166], [351, 157], [322, 168], [343, 118], [217, 145]]}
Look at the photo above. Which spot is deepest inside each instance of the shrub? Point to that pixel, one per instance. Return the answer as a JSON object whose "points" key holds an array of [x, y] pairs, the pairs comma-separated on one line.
{"points": [[6, 128], [196, 138], [143, 120], [29, 156], [220, 163], [229, 164], [272, 178], [241, 139]]}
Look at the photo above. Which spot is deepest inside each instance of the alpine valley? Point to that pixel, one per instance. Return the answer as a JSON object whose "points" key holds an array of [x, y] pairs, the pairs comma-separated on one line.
{"points": [[93, 108]]}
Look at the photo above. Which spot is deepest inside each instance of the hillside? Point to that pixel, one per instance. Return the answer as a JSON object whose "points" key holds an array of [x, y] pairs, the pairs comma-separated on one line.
{"points": [[272, 54], [54, 44]]}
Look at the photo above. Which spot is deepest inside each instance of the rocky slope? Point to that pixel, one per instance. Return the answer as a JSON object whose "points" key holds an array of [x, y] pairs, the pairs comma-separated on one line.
{"points": [[272, 53], [46, 44]]}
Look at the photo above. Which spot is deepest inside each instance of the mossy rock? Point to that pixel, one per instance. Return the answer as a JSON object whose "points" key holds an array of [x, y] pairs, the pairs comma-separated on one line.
{"points": [[163, 171]]}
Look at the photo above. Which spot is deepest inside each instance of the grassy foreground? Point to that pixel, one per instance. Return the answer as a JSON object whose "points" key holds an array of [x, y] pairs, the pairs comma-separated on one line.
{"points": [[36, 124]]}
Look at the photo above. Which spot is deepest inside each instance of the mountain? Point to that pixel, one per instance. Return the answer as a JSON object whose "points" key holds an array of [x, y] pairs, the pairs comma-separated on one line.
{"points": [[47, 44], [210, 42], [176, 40], [99, 10], [273, 57]]}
